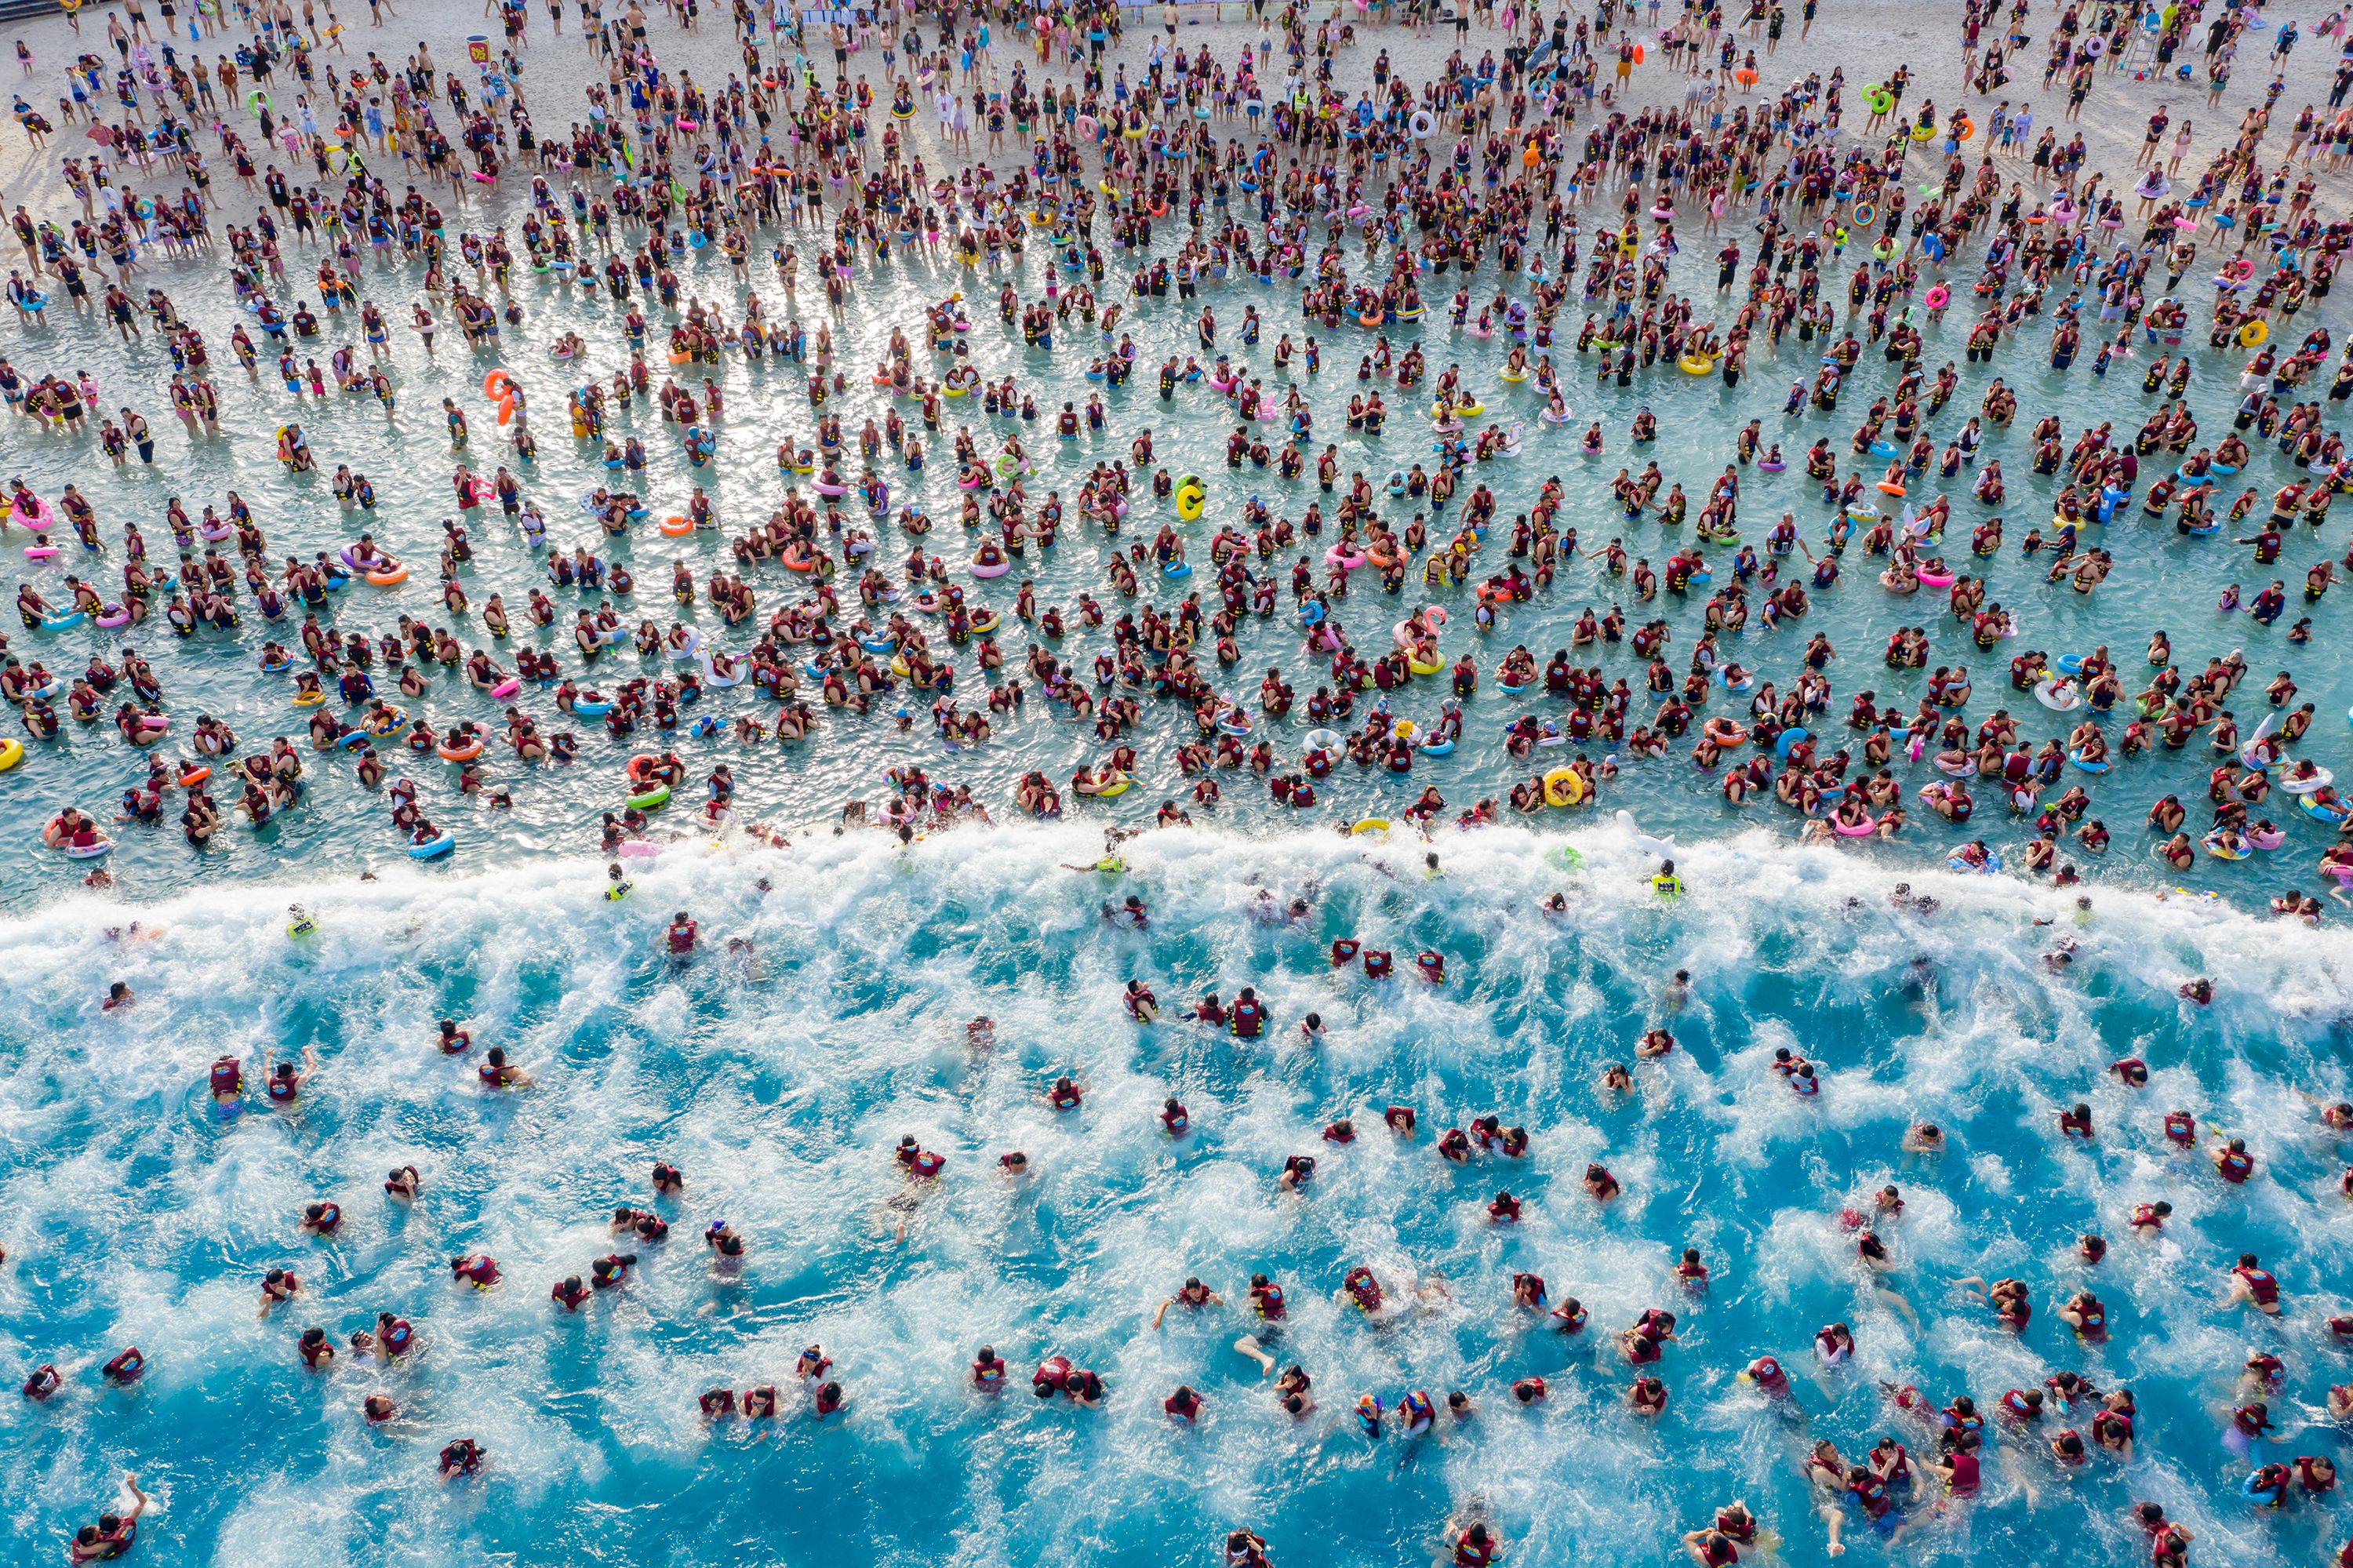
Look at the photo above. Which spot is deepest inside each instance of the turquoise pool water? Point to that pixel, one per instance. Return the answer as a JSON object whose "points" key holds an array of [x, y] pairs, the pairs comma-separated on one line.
{"points": [[2161, 580], [779, 1079], [780, 1075]]}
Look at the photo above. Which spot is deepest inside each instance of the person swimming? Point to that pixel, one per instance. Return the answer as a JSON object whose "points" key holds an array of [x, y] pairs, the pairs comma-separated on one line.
{"points": [[115, 1533]]}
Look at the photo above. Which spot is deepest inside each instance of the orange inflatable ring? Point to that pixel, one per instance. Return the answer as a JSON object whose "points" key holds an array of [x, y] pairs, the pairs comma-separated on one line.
{"points": [[676, 526], [1724, 732], [466, 753], [1160, 209], [641, 767], [392, 578], [194, 777], [1964, 128], [799, 558], [498, 385], [1889, 487], [1382, 559], [681, 358]]}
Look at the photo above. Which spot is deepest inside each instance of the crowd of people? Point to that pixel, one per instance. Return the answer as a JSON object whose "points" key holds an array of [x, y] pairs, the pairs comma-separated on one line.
{"points": [[1483, 163], [1530, 199]]}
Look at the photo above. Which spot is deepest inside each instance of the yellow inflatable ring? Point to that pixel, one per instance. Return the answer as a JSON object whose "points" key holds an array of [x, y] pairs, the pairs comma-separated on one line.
{"points": [[1108, 790], [12, 752], [1419, 668], [1190, 500], [309, 699], [2253, 334], [1696, 364], [1372, 825], [1563, 786]]}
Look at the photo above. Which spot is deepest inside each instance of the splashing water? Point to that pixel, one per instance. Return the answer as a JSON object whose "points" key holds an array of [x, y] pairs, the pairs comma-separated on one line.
{"points": [[779, 1073]]}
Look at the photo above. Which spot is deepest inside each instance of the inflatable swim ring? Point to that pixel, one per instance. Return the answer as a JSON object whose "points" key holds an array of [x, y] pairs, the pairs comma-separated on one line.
{"points": [[2058, 694], [1563, 786]]}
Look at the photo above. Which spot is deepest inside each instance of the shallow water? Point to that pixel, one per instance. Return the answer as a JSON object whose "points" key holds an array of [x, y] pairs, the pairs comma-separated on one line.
{"points": [[780, 1081], [2160, 578]]}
